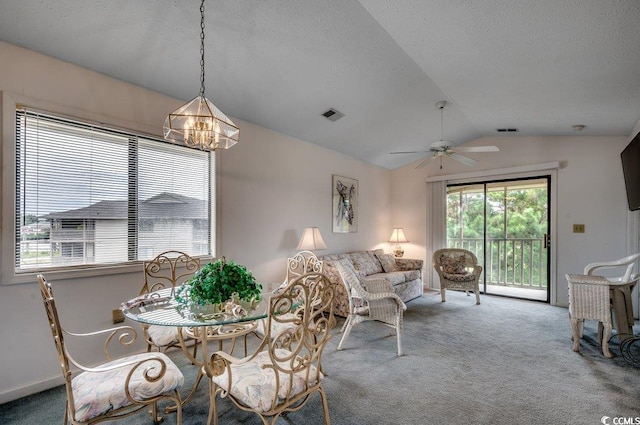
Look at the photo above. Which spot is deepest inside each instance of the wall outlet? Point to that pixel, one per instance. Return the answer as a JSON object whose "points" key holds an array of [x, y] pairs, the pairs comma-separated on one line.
{"points": [[117, 316], [578, 228]]}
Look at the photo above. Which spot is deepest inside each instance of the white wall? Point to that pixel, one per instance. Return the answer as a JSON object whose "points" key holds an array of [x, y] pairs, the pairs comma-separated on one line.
{"points": [[270, 187], [590, 191]]}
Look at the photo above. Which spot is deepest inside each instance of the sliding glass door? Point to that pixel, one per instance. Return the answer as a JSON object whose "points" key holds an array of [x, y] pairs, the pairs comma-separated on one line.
{"points": [[506, 224]]}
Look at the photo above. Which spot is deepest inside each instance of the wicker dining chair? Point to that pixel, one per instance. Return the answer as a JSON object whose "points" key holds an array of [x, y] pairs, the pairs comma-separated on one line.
{"points": [[167, 270], [458, 269], [117, 388], [377, 302], [284, 371]]}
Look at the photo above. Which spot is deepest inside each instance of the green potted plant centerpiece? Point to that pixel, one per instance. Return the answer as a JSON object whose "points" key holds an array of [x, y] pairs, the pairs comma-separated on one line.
{"points": [[218, 287]]}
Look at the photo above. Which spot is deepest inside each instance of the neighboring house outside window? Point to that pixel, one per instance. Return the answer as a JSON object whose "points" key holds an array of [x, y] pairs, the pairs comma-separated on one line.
{"points": [[89, 195]]}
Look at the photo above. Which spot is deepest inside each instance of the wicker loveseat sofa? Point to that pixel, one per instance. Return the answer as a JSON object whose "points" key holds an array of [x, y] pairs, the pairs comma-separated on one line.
{"points": [[404, 274]]}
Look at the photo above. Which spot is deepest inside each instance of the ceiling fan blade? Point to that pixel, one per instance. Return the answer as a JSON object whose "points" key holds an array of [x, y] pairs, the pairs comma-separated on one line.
{"points": [[464, 159], [409, 152], [477, 149], [425, 161]]}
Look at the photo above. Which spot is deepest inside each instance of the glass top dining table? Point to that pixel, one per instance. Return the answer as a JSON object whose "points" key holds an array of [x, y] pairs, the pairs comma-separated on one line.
{"points": [[161, 308]]}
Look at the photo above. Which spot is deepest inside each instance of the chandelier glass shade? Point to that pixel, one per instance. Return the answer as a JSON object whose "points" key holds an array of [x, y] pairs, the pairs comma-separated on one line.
{"points": [[199, 123]]}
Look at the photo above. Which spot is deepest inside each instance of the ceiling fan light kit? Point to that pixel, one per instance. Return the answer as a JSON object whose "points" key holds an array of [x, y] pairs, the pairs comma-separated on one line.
{"points": [[443, 148]]}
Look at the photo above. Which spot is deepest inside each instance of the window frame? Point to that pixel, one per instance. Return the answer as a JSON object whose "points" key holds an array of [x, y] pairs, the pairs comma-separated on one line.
{"points": [[10, 103]]}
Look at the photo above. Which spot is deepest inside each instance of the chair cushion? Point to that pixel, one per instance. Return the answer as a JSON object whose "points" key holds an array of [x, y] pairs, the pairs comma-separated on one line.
{"points": [[459, 277], [277, 327], [255, 386], [452, 264], [163, 336], [387, 261], [97, 393]]}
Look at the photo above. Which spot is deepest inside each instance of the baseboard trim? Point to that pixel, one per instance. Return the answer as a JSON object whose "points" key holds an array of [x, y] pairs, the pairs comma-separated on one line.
{"points": [[30, 389]]}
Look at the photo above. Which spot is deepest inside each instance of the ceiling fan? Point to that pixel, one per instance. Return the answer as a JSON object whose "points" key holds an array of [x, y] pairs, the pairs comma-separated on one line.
{"points": [[442, 148]]}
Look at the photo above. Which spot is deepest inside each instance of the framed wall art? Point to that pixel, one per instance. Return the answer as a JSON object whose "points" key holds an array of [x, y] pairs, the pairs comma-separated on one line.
{"points": [[345, 204]]}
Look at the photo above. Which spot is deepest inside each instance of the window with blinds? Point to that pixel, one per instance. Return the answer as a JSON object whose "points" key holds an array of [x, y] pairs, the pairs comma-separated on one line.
{"points": [[89, 195]]}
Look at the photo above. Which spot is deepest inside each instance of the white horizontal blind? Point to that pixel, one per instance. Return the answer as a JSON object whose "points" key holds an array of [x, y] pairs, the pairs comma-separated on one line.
{"points": [[88, 195]]}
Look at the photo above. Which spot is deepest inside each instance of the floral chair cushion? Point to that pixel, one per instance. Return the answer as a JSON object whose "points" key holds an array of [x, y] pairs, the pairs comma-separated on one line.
{"points": [[459, 277], [163, 336], [255, 386], [453, 264], [97, 393]]}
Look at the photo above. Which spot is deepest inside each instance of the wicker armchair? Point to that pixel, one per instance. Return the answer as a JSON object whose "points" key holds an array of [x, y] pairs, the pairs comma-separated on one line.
{"points": [[376, 302], [458, 269], [117, 388], [284, 371]]}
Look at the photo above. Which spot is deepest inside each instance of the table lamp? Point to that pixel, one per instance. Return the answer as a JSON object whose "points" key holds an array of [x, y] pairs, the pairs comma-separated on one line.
{"points": [[311, 240], [397, 237]]}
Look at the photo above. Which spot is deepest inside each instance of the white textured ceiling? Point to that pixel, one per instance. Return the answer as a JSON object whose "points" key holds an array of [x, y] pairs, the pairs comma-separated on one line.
{"points": [[539, 66]]}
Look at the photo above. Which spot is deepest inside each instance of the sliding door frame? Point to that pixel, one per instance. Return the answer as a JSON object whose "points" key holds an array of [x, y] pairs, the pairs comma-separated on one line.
{"points": [[520, 172]]}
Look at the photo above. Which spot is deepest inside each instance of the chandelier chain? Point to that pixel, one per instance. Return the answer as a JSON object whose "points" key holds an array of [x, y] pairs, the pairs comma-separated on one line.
{"points": [[202, 48]]}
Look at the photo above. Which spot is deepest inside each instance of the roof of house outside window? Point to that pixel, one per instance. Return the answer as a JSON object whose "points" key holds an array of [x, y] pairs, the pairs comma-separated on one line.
{"points": [[163, 205]]}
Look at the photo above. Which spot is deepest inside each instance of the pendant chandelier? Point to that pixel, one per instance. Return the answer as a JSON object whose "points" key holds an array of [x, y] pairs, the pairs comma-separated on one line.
{"points": [[199, 123]]}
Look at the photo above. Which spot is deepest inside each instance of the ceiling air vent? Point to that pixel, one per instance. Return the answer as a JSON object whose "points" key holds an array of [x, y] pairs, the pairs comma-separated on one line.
{"points": [[333, 114], [507, 130]]}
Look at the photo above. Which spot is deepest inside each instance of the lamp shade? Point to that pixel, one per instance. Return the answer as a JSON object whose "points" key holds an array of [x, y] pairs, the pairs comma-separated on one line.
{"points": [[311, 240], [397, 236]]}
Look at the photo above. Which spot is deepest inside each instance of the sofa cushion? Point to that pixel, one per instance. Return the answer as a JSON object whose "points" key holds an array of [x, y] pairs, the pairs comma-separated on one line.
{"points": [[387, 261], [410, 275], [365, 262], [393, 278]]}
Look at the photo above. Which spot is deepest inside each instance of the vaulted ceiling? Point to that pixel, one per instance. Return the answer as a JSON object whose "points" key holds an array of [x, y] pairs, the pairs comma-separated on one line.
{"points": [[538, 66]]}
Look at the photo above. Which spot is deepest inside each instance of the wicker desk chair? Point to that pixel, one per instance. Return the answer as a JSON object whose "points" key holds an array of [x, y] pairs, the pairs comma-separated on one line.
{"points": [[117, 388], [284, 371], [458, 269], [377, 302], [167, 270]]}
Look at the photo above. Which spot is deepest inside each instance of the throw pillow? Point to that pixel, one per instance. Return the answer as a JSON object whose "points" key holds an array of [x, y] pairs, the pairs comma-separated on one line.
{"points": [[453, 265], [388, 262]]}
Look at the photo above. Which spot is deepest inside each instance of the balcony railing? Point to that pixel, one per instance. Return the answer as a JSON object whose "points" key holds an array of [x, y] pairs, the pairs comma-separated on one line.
{"points": [[70, 235], [512, 262]]}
